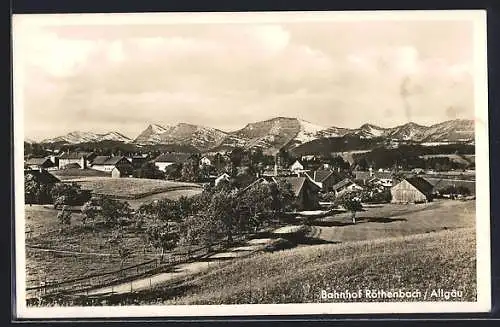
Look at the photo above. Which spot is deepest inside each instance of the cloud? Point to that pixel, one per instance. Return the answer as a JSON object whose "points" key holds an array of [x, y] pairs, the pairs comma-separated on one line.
{"points": [[225, 76]]}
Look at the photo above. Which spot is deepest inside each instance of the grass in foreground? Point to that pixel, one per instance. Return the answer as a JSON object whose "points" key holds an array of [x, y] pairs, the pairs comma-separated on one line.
{"points": [[443, 260]]}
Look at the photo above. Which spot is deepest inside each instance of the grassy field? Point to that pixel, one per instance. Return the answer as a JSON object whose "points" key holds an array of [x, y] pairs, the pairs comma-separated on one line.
{"points": [[129, 188], [376, 223], [389, 220], [421, 262], [90, 250], [72, 173]]}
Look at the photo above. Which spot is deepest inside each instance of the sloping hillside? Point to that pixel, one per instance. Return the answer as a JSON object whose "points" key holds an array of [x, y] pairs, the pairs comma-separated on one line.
{"points": [[444, 260]]}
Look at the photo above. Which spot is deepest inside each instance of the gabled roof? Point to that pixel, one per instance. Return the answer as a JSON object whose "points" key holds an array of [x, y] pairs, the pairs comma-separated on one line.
{"points": [[100, 160], [107, 160], [420, 184], [42, 176], [124, 169], [298, 183], [321, 175], [37, 161], [75, 155], [114, 160], [173, 157], [343, 183]]}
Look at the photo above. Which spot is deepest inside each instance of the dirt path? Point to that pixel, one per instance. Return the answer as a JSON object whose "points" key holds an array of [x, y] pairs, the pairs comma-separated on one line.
{"points": [[179, 271]]}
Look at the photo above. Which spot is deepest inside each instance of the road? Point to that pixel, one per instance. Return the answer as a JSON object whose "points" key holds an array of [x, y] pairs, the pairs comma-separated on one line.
{"points": [[179, 271]]}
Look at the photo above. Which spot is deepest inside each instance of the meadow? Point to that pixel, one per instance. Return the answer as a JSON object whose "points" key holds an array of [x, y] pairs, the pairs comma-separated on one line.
{"points": [[444, 259], [129, 188]]}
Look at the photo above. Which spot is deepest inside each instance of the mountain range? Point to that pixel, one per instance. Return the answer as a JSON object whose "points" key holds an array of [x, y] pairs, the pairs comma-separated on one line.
{"points": [[274, 134]]}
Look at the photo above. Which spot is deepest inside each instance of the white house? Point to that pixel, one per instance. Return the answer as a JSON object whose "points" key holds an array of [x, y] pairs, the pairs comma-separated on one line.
{"points": [[205, 161], [223, 177], [108, 163], [168, 159], [346, 185], [296, 166]]}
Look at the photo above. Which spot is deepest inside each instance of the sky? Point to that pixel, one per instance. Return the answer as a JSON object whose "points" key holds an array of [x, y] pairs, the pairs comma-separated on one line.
{"points": [[121, 77]]}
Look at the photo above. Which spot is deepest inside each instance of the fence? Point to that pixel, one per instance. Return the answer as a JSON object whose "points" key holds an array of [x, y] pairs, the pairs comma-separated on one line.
{"points": [[49, 288]]}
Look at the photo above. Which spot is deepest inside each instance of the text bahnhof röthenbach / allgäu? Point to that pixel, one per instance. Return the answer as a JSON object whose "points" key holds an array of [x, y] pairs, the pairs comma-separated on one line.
{"points": [[436, 294]]}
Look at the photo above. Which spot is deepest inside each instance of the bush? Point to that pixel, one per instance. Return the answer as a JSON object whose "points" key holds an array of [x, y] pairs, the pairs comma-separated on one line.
{"points": [[278, 245]]}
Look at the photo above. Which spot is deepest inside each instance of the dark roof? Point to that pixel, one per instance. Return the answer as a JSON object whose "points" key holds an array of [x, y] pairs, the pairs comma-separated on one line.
{"points": [[107, 160], [297, 183], [377, 174], [42, 176], [100, 160], [75, 155], [124, 169], [322, 174], [420, 184], [114, 160], [37, 161], [72, 165], [342, 183], [173, 157]]}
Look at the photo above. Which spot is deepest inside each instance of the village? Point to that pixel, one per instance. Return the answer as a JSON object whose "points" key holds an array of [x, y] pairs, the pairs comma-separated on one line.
{"points": [[148, 212]]}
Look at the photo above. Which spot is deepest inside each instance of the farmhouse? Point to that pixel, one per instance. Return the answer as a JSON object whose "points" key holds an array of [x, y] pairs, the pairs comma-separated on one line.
{"points": [[138, 160], [41, 176], [412, 190], [205, 161], [223, 177], [326, 178], [306, 192], [39, 163], [80, 158], [168, 159], [366, 177], [296, 167], [108, 163], [121, 171], [346, 185]]}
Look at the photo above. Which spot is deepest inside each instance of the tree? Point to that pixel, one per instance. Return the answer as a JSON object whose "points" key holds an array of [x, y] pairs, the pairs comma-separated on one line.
{"points": [[221, 208], [351, 202], [173, 171], [162, 236], [70, 194], [90, 211], [64, 217], [124, 254], [149, 170], [190, 170], [113, 211]]}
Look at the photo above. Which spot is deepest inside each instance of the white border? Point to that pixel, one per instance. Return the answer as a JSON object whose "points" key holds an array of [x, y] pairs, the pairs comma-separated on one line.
{"points": [[483, 304]]}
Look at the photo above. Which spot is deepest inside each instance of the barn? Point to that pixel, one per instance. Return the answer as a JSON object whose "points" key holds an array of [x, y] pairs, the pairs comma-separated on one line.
{"points": [[412, 190], [121, 171]]}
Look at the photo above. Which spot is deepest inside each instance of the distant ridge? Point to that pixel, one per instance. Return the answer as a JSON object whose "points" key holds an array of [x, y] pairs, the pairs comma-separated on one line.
{"points": [[276, 133]]}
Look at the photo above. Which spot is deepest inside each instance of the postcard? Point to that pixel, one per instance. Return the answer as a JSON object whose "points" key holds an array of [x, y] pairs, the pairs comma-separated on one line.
{"points": [[239, 164]]}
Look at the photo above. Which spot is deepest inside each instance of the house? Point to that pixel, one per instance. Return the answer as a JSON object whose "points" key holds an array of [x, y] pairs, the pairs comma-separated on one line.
{"points": [[223, 177], [326, 178], [41, 176], [167, 159], [137, 160], [296, 167], [412, 190], [122, 171], [305, 191], [39, 163], [205, 161], [346, 185], [367, 177], [108, 163], [81, 158]]}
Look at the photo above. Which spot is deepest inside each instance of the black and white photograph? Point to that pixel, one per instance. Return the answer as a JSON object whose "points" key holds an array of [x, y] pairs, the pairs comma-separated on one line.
{"points": [[215, 164]]}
